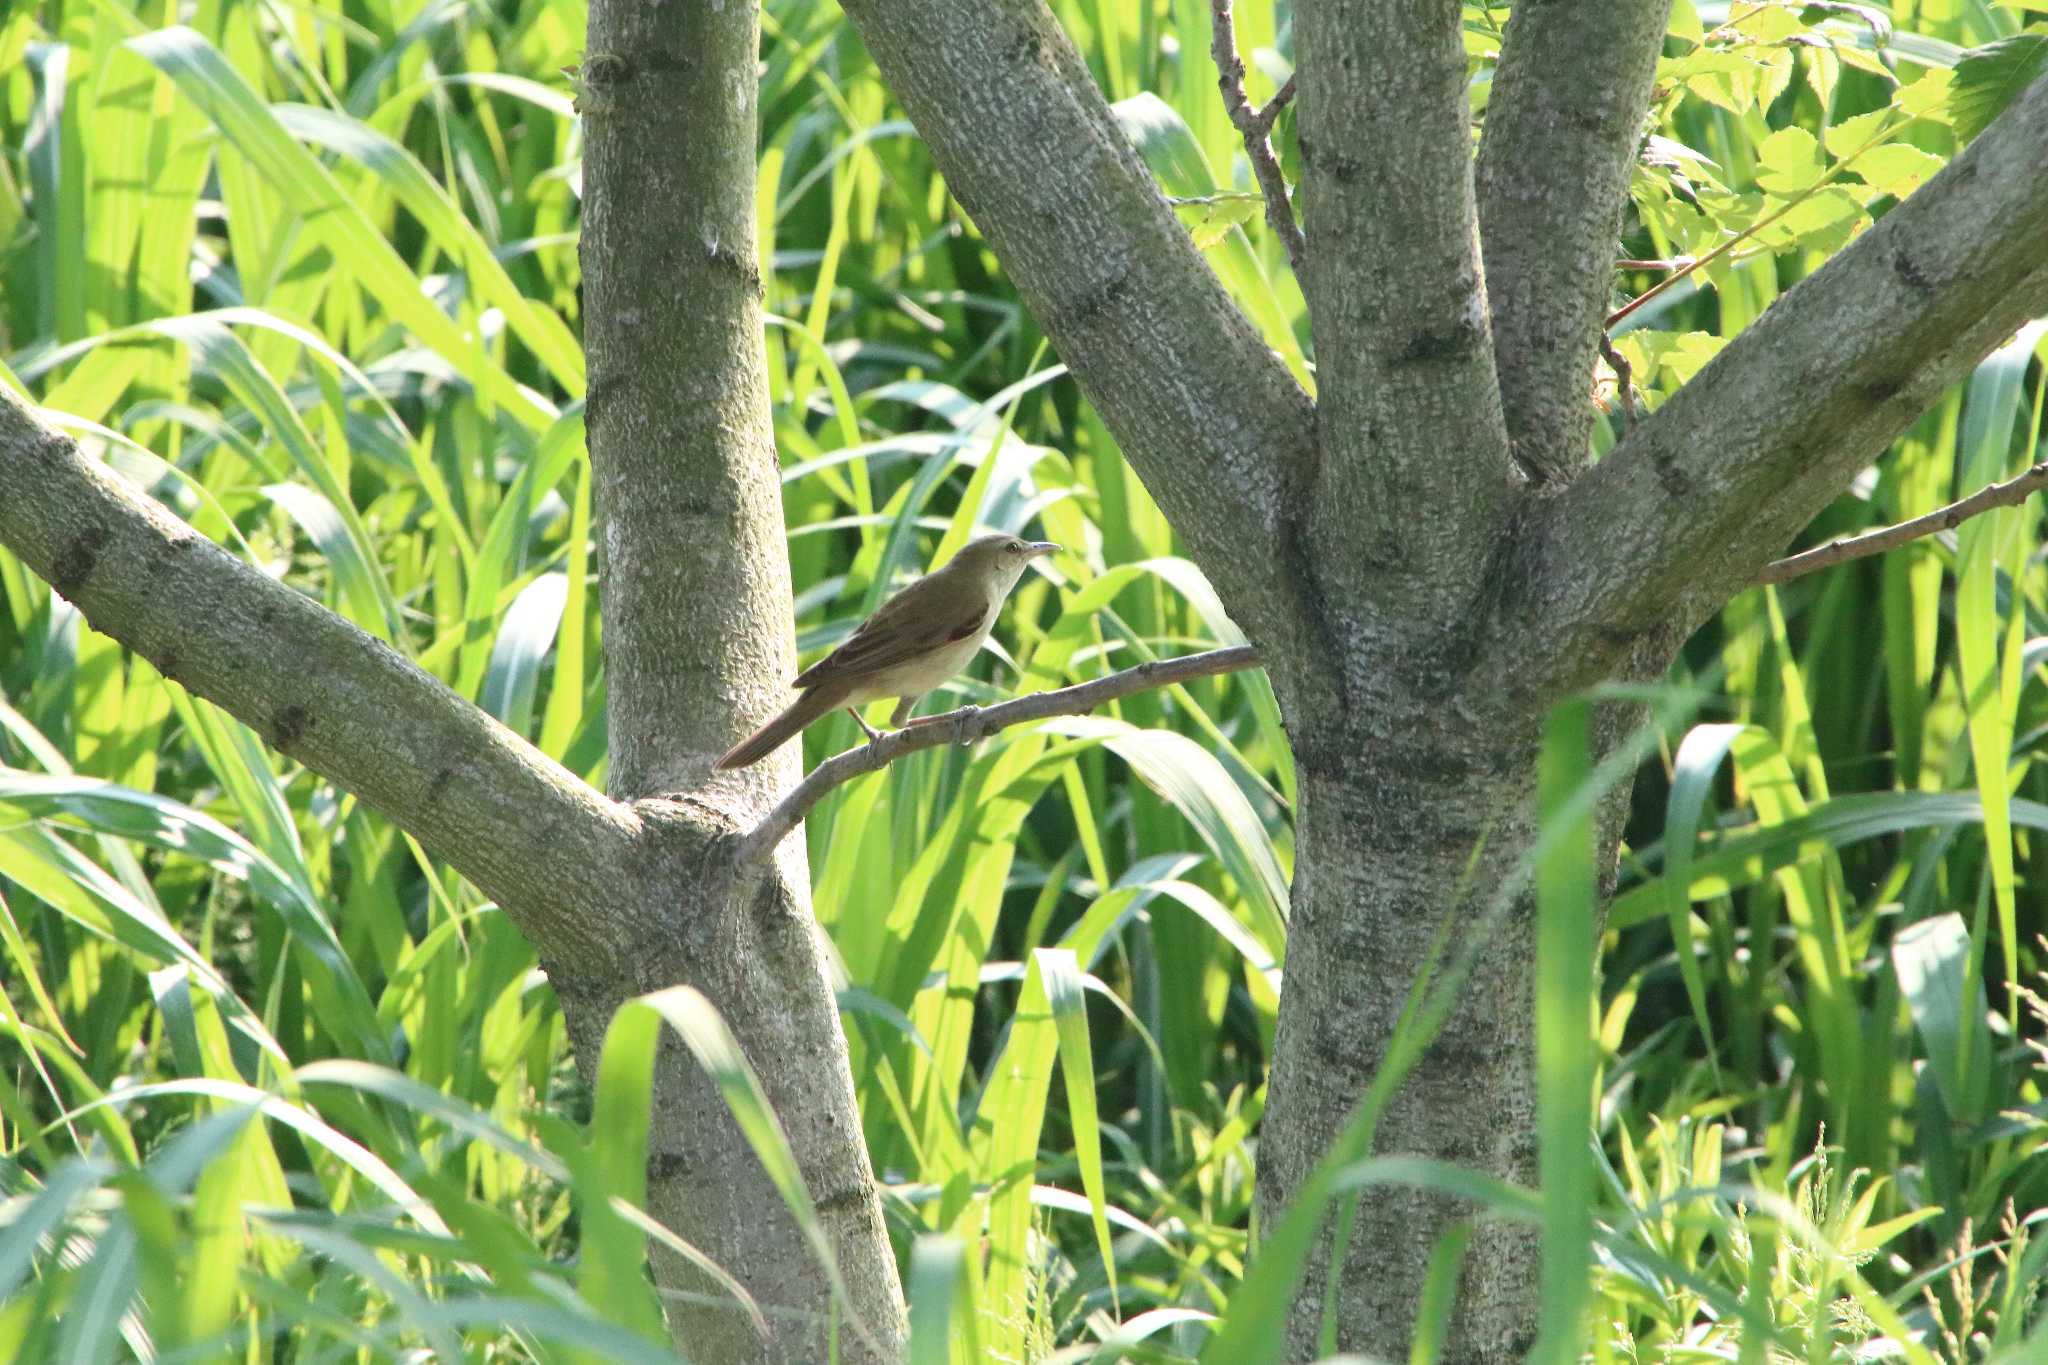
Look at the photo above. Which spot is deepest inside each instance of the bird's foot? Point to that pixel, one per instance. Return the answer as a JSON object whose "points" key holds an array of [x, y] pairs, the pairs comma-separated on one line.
{"points": [[964, 728]]}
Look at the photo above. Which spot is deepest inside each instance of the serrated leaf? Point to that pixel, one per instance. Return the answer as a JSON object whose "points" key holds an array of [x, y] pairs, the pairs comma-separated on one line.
{"points": [[1721, 79], [1685, 23], [1990, 77], [1866, 61], [1852, 135], [1690, 354], [1768, 24], [1820, 222], [1927, 96]]}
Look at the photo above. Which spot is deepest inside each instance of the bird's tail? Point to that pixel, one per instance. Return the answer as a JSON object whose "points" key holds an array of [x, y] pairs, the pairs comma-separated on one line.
{"points": [[815, 702]]}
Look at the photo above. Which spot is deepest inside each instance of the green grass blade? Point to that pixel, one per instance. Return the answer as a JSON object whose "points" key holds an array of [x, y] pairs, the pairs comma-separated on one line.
{"points": [[1985, 547], [1566, 904], [219, 90]]}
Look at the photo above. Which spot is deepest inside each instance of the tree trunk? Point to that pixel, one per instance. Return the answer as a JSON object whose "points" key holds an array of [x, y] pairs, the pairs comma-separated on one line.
{"points": [[699, 647], [748, 941], [1408, 822], [1420, 604], [1418, 813]]}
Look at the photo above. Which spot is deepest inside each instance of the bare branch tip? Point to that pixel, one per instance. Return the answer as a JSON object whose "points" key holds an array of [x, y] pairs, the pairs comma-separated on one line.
{"points": [[2010, 493]]}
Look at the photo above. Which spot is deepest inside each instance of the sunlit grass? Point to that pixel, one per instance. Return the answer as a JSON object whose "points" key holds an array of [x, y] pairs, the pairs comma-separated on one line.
{"points": [[277, 1083]]}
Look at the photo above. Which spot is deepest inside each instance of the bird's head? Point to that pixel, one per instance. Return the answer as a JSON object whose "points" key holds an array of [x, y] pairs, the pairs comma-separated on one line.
{"points": [[1000, 558]]}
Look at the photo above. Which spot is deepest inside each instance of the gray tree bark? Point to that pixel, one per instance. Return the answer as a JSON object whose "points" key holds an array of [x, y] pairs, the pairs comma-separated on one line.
{"points": [[1419, 604]]}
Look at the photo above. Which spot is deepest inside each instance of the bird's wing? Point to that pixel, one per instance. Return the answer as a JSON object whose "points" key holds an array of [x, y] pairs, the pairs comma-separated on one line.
{"points": [[923, 616]]}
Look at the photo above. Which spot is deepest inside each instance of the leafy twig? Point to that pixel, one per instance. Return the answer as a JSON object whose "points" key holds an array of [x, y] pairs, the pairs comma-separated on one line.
{"points": [[1685, 267], [1255, 126]]}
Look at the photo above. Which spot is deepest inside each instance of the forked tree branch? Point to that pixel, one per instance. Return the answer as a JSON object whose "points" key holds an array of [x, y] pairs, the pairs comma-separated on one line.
{"points": [[1255, 126], [2010, 493], [1563, 122], [1203, 409], [1693, 503], [524, 829], [971, 723]]}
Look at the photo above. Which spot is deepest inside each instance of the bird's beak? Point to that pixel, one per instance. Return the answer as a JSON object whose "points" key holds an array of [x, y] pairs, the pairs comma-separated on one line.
{"points": [[1041, 548]]}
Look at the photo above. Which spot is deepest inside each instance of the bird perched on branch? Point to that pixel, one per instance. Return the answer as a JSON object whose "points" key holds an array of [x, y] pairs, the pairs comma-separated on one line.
{"points": [[915, 641]]}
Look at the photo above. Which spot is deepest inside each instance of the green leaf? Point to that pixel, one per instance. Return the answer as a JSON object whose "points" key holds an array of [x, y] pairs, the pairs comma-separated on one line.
{"points": [[1175, 158], [358, 247], [1897, 168], [1788, 161], [1191, 779], [1692, 776], [1006, 1129], [169, 825], [524, 638], [1990, 77], [542, 331], [1066, 993], [1988, 637], [941, 1308], [1219, 217]]}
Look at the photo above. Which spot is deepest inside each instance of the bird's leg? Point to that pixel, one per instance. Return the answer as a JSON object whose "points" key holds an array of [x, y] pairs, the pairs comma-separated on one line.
{"points": [[902, 712]]}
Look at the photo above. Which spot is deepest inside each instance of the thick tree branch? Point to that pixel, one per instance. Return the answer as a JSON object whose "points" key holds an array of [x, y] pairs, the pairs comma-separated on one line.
{"points": [[1205, 412], [1562, 126], [1697, 499], [1408, 401], [527, 832], [971, 723], [2010, 493], [1255, 126]]}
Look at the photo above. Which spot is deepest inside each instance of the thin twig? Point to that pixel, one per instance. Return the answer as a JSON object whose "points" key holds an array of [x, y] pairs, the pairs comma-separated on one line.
{"points": [[1624, 381], [1256, 126], [971, 723], [2010, 493], [1270, 115]]}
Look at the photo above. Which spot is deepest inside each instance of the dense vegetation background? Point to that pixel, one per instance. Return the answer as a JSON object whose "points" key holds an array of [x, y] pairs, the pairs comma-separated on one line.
{"points": [[276, 1084]]}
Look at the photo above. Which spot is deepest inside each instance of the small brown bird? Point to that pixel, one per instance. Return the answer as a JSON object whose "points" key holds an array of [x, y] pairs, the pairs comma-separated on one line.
{"points": [[916, 640]]}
